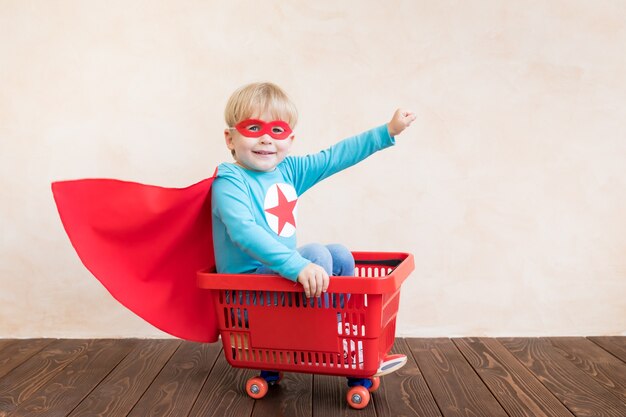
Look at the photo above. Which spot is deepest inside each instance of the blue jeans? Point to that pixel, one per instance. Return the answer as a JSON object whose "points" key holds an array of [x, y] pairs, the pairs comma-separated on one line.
{"points": [[335, 259]]}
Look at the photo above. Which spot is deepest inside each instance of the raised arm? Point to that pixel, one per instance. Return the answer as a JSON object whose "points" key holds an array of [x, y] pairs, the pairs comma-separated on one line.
{"points": [[308, 170]]}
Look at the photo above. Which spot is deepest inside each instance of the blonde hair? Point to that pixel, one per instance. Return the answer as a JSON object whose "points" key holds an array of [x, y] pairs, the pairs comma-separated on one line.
{"points": [[260, 98]]}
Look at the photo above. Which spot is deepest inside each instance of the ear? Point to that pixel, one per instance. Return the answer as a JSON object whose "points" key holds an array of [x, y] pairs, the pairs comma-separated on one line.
{"points": [[228, 137]]}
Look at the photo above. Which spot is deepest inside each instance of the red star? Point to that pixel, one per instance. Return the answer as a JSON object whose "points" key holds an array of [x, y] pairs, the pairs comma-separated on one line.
{"points": [[284, 211]]}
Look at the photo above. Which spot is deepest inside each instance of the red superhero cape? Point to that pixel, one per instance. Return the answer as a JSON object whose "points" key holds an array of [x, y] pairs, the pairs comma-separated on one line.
{"points": [[145, 244]]}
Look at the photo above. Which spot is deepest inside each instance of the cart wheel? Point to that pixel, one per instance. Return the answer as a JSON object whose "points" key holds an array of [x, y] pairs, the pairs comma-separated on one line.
{"points": [[256, 387], [358, 397], [375, 383]]}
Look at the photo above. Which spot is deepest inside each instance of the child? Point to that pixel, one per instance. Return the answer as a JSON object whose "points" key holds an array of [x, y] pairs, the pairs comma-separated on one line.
{"points": [[255, 198]]}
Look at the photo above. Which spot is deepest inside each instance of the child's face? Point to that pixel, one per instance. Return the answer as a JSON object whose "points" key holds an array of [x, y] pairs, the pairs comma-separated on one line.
{"points": [[262, 153]]}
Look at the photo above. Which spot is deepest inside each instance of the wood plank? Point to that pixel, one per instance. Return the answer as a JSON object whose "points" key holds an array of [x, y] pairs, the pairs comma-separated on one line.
{"points": [[329, 398], [404, 392], [615, 345], [15, 352], [5, 342], [514, 386], [557, 377], [595, 362], [121, 389], [454, 384], [581, 394], [174, 391], [31, 375], [224, 393], [70, 386], [291, 397]]}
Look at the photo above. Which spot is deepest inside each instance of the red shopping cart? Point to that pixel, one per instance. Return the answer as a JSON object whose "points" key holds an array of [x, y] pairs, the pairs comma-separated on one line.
{"points": [[267, 323]]}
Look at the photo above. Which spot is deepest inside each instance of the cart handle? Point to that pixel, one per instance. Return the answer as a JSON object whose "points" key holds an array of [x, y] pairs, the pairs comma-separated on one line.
{"points": [[403, 262], [383, 262]]}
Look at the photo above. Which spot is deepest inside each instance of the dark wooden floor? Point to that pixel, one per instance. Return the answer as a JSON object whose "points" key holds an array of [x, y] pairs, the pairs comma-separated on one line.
{"points": [[444, 377]]}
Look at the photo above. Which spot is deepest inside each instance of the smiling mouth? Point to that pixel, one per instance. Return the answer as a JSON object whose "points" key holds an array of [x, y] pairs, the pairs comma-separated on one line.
{"points": [[264, 152]]}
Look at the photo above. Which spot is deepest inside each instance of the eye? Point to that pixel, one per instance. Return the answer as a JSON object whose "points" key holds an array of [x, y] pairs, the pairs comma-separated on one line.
{"points": [[253, 128], [278, 130]]}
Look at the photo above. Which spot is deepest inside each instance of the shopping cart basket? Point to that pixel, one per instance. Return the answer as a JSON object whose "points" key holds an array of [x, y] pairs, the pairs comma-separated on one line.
{"points": [[267, 323]]}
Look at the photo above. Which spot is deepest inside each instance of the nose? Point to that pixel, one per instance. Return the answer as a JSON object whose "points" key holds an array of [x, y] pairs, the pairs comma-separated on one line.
{"points": [[265, 138]]}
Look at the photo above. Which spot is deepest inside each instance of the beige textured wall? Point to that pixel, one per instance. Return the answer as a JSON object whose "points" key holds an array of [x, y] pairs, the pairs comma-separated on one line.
{"points": [[510, 189]]}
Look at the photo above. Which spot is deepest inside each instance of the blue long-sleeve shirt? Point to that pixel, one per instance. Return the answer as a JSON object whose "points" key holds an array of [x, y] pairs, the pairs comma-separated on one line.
{"points": [[254, 213]]}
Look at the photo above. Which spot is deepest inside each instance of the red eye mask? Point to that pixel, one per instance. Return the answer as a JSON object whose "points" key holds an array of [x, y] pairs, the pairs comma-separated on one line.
{"points": [[254, 128]]}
